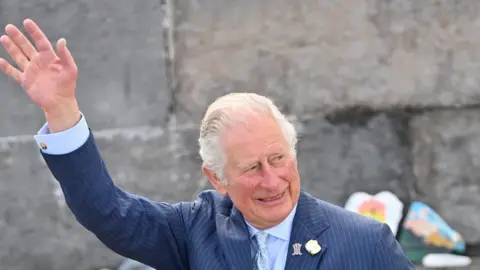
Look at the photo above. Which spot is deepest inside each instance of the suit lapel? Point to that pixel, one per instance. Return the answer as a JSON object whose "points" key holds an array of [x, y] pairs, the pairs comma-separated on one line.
{"points": [[234, 238], [309, 223]]}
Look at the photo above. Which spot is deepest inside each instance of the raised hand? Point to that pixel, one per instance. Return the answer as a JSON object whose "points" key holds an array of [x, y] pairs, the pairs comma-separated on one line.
{"points": [[48, 78]]}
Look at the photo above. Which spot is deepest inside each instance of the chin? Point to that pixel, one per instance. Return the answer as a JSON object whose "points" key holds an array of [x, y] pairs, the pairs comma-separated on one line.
{"points": [[279, 213]]}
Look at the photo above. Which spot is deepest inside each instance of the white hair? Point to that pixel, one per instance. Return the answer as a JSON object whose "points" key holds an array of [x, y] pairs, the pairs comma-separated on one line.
{"points": [[233, 109]]}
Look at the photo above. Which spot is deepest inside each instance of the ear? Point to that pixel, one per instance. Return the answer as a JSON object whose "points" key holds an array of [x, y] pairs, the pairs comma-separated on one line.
{"points": [[215, 181]]}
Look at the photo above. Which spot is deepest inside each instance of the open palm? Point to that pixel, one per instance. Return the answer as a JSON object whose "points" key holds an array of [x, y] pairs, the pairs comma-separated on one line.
{"points": [[47, 77]]}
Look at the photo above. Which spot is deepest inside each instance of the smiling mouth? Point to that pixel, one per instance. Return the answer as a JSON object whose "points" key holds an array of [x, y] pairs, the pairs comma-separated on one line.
{"points": [[279, 196]]}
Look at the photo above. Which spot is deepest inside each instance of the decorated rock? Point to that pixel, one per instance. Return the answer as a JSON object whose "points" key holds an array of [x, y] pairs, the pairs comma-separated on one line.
{"points": [[385, 207], [424, 232]]}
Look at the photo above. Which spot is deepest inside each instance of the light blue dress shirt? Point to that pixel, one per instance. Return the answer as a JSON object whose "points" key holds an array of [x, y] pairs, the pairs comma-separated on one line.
{"points": [[70, 140], [277, 241]]}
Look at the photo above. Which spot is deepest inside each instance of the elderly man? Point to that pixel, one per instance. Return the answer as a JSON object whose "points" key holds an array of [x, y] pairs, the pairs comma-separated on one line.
{"points": [[257, 217]]}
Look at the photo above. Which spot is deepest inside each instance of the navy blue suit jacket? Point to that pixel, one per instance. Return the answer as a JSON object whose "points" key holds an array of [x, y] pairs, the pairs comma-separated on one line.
{"points": [[209, 233]]}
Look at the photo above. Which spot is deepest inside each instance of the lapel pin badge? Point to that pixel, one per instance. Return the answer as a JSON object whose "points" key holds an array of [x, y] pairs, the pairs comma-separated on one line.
{"points": [[313, 247], [296, 249]]}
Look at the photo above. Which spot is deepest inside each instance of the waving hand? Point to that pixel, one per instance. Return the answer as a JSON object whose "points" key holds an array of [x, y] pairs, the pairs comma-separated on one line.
{"points": [[48, 77]]}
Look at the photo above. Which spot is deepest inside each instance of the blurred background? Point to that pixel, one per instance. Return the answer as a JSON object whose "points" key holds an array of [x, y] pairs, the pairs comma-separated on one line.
{"points": [[384, 93]]}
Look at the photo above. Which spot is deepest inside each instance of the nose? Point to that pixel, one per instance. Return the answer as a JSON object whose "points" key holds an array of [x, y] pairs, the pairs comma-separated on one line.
{"points": [[270, 179]]}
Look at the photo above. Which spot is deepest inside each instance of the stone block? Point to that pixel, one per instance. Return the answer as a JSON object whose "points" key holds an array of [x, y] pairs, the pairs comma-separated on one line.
{"points": [[325, 55], [338, 158], [446, 158], [118, 47], [38, 230]]}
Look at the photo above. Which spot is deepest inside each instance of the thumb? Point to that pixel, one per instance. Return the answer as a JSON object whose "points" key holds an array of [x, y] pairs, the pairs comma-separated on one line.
{"points": [[64, 54]]}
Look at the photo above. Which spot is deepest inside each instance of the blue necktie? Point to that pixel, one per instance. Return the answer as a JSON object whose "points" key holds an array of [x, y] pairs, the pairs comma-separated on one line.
{"points": [[261, 258]]}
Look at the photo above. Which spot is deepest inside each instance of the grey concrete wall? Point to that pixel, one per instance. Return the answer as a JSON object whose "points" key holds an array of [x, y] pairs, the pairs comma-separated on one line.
{"points": [[119, 49], [384, 94], [318, 56]]}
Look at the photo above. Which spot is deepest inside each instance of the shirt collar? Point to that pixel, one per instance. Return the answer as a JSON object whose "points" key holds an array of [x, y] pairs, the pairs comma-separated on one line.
{"points": [[281, 230]]}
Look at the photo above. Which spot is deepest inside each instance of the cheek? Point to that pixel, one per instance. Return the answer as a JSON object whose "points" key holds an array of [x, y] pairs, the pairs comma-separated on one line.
{"points": [[243, 187], [288, 171]]}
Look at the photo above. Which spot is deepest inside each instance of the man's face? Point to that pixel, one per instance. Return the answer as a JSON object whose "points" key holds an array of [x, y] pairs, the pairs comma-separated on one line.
{"points": [[261, 173]]}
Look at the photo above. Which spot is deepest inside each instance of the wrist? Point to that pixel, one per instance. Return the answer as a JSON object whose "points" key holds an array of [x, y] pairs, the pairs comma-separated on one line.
{"points": [[62, 117]]}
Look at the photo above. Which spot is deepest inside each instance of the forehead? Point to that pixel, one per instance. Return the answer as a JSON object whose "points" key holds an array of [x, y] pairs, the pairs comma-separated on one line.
{"points": [[259, 137]]}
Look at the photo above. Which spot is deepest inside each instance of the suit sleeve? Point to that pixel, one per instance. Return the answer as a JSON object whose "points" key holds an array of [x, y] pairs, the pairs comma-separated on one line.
{"points": [[388, 252], [133, 226]]}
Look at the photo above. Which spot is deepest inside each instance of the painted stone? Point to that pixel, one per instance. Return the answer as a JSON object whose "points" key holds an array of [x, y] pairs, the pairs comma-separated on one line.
{"points": [[385, 207], [424, 232]]}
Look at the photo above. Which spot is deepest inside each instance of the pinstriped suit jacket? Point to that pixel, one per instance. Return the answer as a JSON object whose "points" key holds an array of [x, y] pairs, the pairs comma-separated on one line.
{"points": [[210, 233]]}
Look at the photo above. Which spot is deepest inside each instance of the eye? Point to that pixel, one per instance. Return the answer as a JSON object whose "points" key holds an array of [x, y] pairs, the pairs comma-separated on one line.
{"points": [[251, 168], [277, 157], [276, 160]]}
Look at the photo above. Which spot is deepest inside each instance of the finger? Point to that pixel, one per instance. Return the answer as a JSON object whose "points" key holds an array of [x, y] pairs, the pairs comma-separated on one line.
{"points": [[22, 42], [39, 38], [65, 55], [15, 53], [10, 71]]}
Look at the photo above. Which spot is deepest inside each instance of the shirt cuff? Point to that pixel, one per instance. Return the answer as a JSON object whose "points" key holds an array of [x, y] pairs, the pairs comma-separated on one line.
{"points": [[63, 142]]}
